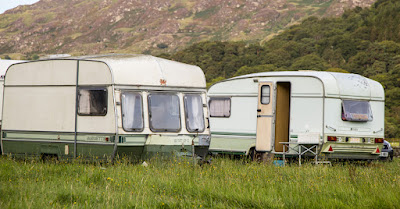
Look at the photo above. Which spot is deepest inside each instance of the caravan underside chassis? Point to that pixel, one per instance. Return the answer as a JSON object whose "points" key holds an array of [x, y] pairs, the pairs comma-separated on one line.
{"points": [[135, 150], [130, 153]]}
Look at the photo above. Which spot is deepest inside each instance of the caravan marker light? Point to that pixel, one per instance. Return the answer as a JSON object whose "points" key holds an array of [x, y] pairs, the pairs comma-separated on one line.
{"points": [[332, 138], [379, 140]]}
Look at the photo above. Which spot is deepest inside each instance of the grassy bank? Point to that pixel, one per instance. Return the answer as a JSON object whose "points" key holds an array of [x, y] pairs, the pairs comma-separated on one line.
{"points": [[224, 184]]}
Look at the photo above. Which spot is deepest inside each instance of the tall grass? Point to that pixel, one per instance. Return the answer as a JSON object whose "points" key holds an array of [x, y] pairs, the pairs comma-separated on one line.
{"points": [[179, 184]]}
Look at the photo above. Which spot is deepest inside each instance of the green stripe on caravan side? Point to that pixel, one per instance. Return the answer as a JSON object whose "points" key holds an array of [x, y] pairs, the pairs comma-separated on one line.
{"points": [[138, 139], [232, 134], [38, 135], [54, 136]]}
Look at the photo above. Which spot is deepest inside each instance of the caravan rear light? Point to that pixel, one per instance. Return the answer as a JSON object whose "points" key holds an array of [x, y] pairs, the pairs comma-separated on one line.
{"points": [[379, 140], [330, 149], [332, 138]]}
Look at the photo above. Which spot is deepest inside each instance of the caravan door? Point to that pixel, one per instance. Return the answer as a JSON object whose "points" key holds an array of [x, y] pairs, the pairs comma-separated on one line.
{"points": [[265, 117]]}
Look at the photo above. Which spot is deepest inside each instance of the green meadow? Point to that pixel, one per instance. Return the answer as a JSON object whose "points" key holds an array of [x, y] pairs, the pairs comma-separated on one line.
{"points": [[224, 183]]}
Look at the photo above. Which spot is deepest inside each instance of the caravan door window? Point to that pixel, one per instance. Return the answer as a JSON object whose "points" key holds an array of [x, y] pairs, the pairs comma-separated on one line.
{"points": [[92, 101], [265, 92], [353, 110], [132, 111], [164, 112], [194, 113], [220, 107]]}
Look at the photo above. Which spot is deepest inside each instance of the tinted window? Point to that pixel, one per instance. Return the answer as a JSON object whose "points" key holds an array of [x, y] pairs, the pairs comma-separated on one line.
{"points": [[164, 112], [356, 110], [220, 107], [132, 117], [194, 113], [92, 101]]}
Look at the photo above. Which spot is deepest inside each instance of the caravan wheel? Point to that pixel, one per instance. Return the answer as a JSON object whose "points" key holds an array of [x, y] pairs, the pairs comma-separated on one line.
{"points": [[252, 154], [49, 158]]}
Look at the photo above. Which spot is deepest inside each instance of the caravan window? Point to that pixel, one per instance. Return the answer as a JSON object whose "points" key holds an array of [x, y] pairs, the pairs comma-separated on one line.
{"points": [[132, 111], [353, 110], [265, 92], [164, 112], [220, 107], [194, 113], [92, 101]]}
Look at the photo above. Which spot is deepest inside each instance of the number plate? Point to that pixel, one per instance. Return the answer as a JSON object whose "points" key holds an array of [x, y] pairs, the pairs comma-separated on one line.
{"points": [[204, 140], [384, 154], [354, 140]]}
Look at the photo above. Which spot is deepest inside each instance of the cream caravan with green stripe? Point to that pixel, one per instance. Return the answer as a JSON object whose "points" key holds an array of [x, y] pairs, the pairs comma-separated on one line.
{"points": [[104, 106], [343, 114]]}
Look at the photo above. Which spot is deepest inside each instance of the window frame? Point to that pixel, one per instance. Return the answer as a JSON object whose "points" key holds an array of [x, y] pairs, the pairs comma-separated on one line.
{"points": [[149, 112], [343, 111], [269, 96], [220, 98], [104, 88], [186, 112], [122, 111]]}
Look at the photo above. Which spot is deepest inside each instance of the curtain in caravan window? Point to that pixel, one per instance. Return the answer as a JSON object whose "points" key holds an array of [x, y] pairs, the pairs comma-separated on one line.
{"points": [[194, 113], [132, 118], [353, 110], [92, 101], [220, 107], [84, 101]]}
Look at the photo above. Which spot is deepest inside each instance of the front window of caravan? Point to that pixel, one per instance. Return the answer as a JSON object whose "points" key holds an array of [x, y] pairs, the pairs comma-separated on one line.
{"points": [[353, 110], [92, 101], [132, 117], [194, 113], [164, 112], [220, 107]]}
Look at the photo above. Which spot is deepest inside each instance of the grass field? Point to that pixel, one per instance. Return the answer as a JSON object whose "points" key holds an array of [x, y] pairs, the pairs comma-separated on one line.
{"points": [[179, 184]]}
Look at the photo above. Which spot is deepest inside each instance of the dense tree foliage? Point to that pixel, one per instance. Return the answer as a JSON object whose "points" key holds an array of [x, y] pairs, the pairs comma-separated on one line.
{"points": [[362, 41]]}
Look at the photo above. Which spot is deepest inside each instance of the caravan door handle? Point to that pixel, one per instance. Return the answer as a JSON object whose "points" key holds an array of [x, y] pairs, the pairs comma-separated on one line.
{"points": [[258, 110]]}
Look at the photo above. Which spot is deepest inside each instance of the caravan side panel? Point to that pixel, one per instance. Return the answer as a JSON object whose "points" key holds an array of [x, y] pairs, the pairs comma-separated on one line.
{"points": [[1, 98], [97, 74], [94, 73], [37, 97], [50, 72], [39, 109], [99, 124]]}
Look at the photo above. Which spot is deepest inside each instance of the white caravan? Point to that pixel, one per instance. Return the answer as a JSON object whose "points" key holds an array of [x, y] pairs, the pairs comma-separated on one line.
{"points": [[104, 106], [342, 114]]}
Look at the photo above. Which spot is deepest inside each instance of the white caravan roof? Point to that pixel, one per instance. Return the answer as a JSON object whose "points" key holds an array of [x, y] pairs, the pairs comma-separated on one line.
{"points": [[334, 84], [139, 70], [150, 70], [4, 64]]}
